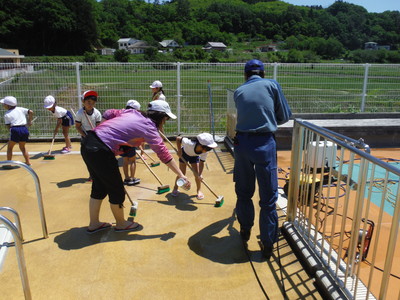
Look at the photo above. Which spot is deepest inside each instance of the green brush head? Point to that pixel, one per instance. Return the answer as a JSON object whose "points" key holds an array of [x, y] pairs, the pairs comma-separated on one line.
{"points": [[219, 202], [163, 190], [49, 158], [154, 164]]}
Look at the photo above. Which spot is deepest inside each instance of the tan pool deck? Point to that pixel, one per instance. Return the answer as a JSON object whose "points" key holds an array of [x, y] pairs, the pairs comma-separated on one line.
{"points": [[188, 249]]}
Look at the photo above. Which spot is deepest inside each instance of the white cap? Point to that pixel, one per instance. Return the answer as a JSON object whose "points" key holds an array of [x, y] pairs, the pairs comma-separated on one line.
{"points": [[156, 84], [162, 106], [49, 101], [9, 100], [133, 103], [206, 139]]}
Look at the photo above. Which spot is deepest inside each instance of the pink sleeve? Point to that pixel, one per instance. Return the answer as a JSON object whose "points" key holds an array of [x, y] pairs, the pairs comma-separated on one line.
{"points": [[156, 144], [112, 113]]}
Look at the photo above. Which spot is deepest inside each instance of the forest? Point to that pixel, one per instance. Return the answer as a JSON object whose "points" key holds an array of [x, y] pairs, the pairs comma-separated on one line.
{"points": [[79, 27]]}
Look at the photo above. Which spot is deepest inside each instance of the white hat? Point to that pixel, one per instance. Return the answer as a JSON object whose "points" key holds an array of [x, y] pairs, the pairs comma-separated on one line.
{"points": [[156, 84], [133, 103], [9, 100], [162, 106], [206, 139], [49, 101]]}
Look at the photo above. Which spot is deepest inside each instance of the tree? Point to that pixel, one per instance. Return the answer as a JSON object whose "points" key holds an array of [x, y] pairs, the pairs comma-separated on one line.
{"points": [[90, 56], [150, 54], [121, 55]]}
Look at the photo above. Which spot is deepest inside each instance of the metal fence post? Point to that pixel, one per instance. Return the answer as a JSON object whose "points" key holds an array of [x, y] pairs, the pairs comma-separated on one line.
{"points": [[78, 83], [178, 90], [275, 64], [364, 92]]}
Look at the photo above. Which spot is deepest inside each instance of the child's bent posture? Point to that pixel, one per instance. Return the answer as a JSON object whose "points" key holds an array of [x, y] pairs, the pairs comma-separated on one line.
{"points": [[64, 119], [195, 153]]}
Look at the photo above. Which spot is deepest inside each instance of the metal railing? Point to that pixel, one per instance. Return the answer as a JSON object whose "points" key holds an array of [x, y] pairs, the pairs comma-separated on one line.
{"points": [[17, 236], [38, 191], [343, 206], [309, 88]]}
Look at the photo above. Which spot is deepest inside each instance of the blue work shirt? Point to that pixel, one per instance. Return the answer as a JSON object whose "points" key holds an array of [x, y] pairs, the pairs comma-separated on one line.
{"points": [[261, 105]]}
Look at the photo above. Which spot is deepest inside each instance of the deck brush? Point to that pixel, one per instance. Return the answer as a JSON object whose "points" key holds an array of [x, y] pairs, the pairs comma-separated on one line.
{"points": [[220, 199], [49, 156], [161, 189], [134, 205]]}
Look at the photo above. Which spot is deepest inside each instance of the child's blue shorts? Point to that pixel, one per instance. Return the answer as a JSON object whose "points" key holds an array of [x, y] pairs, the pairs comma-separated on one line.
{"points": [[130, 153], [19, 134], [67, 120], [189, 159]]}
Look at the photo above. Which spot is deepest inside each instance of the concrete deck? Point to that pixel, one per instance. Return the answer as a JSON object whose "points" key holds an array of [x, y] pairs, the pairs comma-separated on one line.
{"points": [[188, 249]]}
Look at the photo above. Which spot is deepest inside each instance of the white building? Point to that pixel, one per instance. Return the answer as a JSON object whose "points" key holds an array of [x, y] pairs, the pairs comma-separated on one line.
{"points": [[125, 43]]}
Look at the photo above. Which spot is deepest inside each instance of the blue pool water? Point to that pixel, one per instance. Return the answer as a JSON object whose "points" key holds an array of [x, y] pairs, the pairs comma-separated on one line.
{"points": [[379, 174]]}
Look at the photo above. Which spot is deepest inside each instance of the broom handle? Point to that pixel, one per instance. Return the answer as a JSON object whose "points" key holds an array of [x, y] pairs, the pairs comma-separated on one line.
{"points": [[190, 167], [129, 197], [3, 146], [141, 149], [148, 167], [52, 143]]}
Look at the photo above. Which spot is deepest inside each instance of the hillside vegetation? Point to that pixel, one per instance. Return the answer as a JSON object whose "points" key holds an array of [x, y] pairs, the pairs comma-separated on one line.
{"points": [[309, 34]]}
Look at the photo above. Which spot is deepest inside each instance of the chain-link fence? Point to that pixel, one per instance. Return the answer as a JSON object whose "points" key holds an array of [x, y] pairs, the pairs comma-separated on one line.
{"points": [[191, 88]]}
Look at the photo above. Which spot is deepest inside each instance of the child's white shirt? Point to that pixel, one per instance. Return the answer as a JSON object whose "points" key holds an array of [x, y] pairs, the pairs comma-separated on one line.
{"points": [[16, 116], [94, 118], [59, 112], [188, 146]]}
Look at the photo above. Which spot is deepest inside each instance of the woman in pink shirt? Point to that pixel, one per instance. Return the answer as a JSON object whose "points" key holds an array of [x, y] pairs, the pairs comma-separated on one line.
{"points": [[121, 130]]}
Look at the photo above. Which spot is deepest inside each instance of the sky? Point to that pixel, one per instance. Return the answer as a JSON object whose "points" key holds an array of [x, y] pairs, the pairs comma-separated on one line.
{"points": [[377, 6]]}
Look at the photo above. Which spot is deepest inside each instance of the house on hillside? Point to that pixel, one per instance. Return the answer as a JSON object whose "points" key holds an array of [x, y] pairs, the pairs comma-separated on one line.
{"points": [[106, 51], [169, 44], [268, 48], [375, 46], [214, 46], [125, 43], [10, 56], [138, 47], [371, 46]]}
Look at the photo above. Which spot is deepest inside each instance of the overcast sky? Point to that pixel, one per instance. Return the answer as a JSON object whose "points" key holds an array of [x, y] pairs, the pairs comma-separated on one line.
{"points": [[369, 5]]}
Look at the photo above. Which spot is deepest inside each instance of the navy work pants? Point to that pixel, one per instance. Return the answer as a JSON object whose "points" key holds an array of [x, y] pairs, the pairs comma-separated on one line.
{"points": [[255, 158]]}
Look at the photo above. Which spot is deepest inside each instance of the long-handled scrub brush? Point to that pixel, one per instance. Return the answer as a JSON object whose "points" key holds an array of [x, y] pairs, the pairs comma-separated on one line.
{"points": [[155, 163], [161, 189], [134, 205], [49, 156], [220, 199]]}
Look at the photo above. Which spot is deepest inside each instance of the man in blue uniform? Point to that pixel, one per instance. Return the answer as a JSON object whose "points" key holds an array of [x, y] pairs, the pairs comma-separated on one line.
{"points": [[261, 107]]}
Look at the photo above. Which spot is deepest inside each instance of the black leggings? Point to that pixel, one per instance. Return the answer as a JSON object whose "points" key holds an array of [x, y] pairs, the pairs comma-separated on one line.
{"points": [[104, 170]]}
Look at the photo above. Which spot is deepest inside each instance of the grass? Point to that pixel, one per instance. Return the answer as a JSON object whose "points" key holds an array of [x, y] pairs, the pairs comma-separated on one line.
{"points": [[309, 88]]}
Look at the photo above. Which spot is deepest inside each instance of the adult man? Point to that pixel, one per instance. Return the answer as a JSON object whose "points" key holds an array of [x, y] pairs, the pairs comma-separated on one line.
{"points": [[261, 106]]}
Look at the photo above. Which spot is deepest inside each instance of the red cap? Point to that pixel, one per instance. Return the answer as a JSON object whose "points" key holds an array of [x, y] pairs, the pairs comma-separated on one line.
{"points": [[89, 93]]}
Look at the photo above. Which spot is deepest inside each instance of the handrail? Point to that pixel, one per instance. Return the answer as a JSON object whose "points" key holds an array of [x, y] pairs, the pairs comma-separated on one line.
{"points": [[16, 217], [340, 231], [38, 191], [20, 253]]}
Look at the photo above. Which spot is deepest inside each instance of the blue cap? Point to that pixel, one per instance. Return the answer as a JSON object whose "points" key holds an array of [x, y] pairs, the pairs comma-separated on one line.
{"points": [[253, 65]]}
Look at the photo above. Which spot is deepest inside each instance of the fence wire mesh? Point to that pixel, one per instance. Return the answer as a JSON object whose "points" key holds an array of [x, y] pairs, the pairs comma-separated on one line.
{"points": [[196, 91]]}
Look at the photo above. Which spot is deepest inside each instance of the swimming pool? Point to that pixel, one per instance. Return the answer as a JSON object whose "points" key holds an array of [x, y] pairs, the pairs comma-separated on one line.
{"points": [[378, 184]]}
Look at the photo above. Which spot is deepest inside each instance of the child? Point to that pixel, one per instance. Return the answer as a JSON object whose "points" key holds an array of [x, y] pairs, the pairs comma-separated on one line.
{"points": [[88, 116], [16, 121], [64, 119], [195, 153], [129, 158], [158, 92]]}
